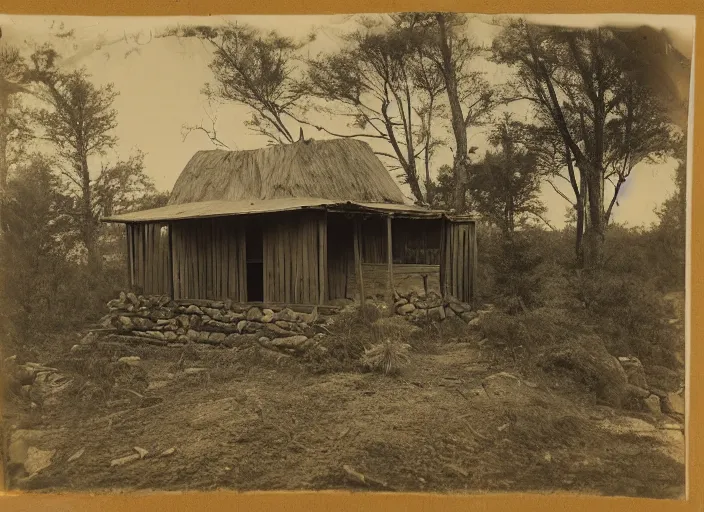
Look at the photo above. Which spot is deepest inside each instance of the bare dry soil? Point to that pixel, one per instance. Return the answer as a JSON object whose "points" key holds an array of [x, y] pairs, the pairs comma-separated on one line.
{"points": [[250, 420]]}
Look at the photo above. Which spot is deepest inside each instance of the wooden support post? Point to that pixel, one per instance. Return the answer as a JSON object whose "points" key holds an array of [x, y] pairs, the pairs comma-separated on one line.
{"points": [[172, 268], [474, 261], [322, 259], [130, 256], [443, 259], [390, 260], [358, 259]]}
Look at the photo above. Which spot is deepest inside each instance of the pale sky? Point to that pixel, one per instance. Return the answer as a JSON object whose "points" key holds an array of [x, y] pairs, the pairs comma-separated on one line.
{"points": [[160, 88]]}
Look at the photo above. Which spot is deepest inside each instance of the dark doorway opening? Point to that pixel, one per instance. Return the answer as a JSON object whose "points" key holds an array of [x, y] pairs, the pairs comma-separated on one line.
{"points": [[255, 264]]}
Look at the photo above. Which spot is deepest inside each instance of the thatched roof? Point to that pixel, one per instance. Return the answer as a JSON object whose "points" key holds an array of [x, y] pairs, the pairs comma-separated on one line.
{"points": [[339, 169]]}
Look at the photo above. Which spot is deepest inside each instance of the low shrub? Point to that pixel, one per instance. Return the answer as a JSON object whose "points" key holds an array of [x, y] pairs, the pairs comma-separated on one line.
{"points": [[387, 356]]}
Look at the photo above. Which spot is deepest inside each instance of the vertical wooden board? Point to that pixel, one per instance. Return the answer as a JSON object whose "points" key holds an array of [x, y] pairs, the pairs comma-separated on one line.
{"points": [[140, 255], [149, 274], [242, 261], [467, 263], [443, 271], [313, 251], [192, 248], [475, 261], [456, 260], [461, 262], [389, 259], [305, 262], [130, 256], [322, 260], [224, 258], [358, 261], [448, 258], [187, 262]]}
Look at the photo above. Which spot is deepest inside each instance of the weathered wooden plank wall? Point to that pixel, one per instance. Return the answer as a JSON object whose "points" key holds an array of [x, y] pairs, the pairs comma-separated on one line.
{"points": [[459, 272], [208, 259], [291, 259], [148, 258]]}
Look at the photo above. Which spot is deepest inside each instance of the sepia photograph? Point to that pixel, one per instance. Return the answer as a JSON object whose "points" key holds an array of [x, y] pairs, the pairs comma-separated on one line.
{"points": [[428, 252]]}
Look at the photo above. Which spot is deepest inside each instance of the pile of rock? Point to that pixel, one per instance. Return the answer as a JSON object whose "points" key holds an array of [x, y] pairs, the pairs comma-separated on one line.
{"points": [[657, 401], [163, 321], [432, 307]]}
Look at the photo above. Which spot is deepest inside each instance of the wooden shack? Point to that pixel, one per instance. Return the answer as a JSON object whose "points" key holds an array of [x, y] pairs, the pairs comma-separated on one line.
{"points": [[307, 223]]}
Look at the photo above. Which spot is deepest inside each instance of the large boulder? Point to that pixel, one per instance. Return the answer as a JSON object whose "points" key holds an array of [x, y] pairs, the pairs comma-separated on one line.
{"points": [[587, 361]]}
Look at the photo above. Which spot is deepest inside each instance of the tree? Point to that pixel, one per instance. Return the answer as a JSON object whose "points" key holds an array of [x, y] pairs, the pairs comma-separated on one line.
{"points": [[78, 121], [585, 86], [505, 186], [251, 69], [15, 131], [33, 257], [452, 52], [382, 81]]}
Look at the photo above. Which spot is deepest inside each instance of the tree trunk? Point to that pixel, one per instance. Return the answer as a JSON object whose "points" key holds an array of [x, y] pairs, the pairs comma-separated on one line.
{"points": [[459, 130], [89, 227], [579, 249], [4, 167], [594, 233]]}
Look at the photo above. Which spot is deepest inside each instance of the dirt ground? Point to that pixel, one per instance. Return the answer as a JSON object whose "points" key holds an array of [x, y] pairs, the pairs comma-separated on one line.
{"points": [[254, 421]]}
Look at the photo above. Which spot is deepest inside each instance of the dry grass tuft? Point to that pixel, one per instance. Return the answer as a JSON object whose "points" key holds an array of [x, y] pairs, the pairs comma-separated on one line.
{"points": [[388, 356]]}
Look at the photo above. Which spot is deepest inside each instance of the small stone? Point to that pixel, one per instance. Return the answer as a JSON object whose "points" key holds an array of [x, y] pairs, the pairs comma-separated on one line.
{"points": [[141, 451], [268, 311], [125, 322], [211, 312], [241, 325], [124, 460], [400, 302], [217, 337], [75, 348], [170, 336], [264, 340], [634, 371], [192, 335], [133, 298], [474, 322], [76, 455], [192, 371], [193, 310], [167, 452], [130, 360], [676, 403], [218, 304], [123, 297], [458, 307], [653, 404], [437, 314], [267, 318], [37, 459], [254, 314], [286, 315], [406, 309], [547, 457], [156, 334], [290, 342]]}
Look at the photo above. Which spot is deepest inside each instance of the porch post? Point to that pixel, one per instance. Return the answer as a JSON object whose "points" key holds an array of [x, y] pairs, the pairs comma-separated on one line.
{"points": [[358, 258], [390, 261], [322, 259]]}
